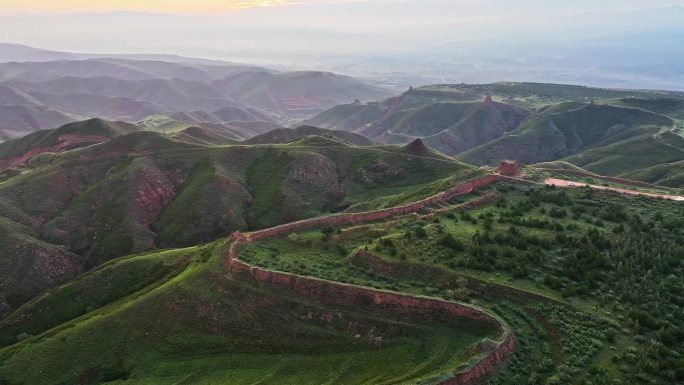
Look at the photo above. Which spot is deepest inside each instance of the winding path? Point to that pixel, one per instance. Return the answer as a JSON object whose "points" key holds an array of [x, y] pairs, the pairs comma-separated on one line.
{"points": [[568, 183]]}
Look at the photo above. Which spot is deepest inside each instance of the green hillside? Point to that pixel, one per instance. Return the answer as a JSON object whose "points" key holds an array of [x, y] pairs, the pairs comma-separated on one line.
{"points": [[348, 117], [144, 191], [553, 134], [538, 95], [673, 108], [628, 157], [448, 126], [528, 122], [29, 266], [177, 317], [51, 138], [286, 135], [117, 263], [667, 174], [546, 261], [589, 280]]}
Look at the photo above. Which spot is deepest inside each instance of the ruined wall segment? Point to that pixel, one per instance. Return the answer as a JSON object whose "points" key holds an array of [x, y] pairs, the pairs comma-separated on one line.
{"points": [[376, 215], [335, 293], [508, 168]]}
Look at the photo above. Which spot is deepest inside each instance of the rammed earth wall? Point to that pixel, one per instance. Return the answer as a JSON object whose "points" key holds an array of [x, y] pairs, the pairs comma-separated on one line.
{"points": [[334, 293], [377, 215]]}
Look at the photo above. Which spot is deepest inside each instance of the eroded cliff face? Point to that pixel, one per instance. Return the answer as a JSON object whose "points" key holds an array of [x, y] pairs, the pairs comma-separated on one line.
{"points": [[155, 190], [312, 186]]}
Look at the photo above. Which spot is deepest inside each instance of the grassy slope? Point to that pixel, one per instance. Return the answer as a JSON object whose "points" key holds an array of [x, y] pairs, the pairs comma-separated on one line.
{"points": [[565, 125], [626, 158], [48, 138], [285, 135], [554, 134], [143, 191], [668, 174], [450, 126], [170, 193], [30, 266], [673, 108], [522, 95], [348, 117], [571, 338], [190, 323]]}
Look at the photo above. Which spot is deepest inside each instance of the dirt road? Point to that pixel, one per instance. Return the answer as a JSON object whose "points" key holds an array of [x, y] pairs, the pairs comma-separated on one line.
{"points": [[569, 183]]}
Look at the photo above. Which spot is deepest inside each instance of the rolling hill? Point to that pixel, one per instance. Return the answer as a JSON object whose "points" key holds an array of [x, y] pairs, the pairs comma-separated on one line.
{"points": [[170, 94], [95, 190], [159, 317], [121, 88], [574, 129], [297, 92], [598, 129], [17, 120], [449, 126], [118, 68], [286, 135], [73, 135], [364, 302]]}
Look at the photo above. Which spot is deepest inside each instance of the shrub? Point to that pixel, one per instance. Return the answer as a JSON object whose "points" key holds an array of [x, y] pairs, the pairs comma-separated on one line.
{"points": [[328, 231], [458, 294], [448, 241], [557, 213], [294, 238], [420, 232]]}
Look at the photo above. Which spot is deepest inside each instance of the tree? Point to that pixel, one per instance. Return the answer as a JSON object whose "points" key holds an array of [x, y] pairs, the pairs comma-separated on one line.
{"points": [[327, 231]]}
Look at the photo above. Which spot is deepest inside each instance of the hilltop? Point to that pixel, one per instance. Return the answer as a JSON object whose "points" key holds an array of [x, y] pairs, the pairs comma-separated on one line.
{"points": [[286, 135], [448, 125], [62, 91], [96, 190], [17, 152]]}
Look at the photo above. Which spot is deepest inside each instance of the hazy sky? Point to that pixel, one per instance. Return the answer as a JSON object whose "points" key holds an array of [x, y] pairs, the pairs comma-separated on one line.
{"points": [[213, 6], [222, 28], [440, 39]]}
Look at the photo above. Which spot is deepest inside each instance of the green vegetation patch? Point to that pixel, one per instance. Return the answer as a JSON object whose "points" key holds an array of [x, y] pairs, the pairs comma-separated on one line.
{"points": [[196, 324], [590, 280]]}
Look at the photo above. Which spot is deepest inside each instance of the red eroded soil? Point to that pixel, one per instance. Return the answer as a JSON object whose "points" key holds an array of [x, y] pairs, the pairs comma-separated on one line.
{"points": [[569, 183], [64, 141]]}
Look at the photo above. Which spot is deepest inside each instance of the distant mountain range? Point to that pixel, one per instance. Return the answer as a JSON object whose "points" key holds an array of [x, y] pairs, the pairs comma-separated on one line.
{"points": [[628, 133], [62, 87]]}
